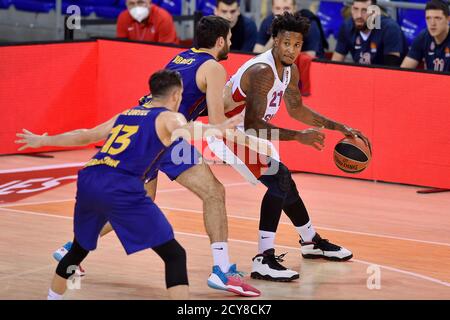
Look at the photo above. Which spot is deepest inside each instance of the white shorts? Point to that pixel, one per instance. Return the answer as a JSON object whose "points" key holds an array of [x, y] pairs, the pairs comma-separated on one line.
{"points": [[250, 164]]}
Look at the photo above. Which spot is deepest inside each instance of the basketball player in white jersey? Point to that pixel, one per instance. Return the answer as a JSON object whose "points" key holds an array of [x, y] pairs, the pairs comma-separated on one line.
{"points": [[256, 91]]}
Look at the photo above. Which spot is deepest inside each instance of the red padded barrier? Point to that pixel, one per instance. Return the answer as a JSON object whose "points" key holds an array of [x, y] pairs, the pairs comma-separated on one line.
{"points": [[46, 88], [60, 87]]}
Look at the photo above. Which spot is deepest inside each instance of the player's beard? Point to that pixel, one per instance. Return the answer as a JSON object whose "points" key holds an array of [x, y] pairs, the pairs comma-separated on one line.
{"points": [[223, 54], [285, 64], [362, 27]]}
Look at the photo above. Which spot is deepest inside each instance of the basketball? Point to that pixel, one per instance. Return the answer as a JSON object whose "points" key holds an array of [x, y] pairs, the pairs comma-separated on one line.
{"points": [[352, 155]]}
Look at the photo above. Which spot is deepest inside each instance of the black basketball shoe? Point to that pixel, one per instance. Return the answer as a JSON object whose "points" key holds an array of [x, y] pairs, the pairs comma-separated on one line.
{"points": [[322, 248], [266, 266]]}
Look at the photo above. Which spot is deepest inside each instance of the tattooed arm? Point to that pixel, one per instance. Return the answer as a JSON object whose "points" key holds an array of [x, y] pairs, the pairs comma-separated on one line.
{"points": [[302, 113], [257, 82]]}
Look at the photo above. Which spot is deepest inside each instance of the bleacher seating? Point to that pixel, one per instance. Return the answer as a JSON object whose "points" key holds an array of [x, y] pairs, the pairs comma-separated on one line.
{"points": [[206, 6], [5, 4], [86, 10], [411, 21], [109, 9], [174, 7], [330, 16], [34, 5]]}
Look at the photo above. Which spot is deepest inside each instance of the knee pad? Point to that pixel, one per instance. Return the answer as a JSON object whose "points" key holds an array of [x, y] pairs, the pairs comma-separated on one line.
{"points": [[69, 264], [174, 257]]}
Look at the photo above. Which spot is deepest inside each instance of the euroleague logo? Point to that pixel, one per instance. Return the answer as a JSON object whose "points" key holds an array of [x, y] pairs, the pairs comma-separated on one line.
{"points": [[15, 186]]}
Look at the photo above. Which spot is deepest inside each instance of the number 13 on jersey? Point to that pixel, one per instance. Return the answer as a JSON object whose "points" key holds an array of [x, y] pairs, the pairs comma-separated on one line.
{"points": [[119, 135]]}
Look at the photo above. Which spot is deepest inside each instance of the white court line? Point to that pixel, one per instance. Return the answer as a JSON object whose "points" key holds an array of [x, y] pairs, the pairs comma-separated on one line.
{"points": [[244, 218], [229, 185], [197, 211], [322, 228], [53, 166], [38, 214], [27, 272], [412, 274]]}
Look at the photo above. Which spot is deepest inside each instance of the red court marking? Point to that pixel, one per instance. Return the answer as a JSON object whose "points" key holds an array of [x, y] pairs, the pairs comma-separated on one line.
{"points": [[20, 184]]}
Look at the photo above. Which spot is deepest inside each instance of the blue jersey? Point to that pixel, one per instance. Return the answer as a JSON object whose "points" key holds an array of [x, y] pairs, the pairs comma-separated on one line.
{"points": [[388, 39], [436, 57], [187, 64], [133, 144]]}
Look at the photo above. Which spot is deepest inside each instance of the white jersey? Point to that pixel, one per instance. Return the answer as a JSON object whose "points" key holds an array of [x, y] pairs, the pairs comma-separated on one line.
{"points": [[248, 163], [274, 96]]}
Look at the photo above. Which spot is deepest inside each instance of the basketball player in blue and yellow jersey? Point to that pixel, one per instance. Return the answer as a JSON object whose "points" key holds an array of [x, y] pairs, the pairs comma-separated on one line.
{"points": [[432, 45], [110, 187], [204, 80]]}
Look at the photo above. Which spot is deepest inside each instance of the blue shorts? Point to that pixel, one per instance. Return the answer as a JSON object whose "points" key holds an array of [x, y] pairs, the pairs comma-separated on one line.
{"points": [[178, 158], [108, 194]]}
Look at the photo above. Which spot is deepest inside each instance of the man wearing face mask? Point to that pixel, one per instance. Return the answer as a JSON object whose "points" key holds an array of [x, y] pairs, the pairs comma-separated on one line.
{"points": [[144, 21]]}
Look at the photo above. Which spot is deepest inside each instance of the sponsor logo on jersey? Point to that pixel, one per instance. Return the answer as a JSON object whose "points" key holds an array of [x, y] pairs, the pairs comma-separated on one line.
{"points": [[358, 43], [373, 47]]}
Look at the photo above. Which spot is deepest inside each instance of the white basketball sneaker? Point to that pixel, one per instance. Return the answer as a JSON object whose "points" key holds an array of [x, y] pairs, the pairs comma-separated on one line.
{"points": [[266, 266], [322, 248]]}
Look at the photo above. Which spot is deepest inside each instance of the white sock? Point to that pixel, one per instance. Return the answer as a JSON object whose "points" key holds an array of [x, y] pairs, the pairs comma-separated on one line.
{"points": [[306, 232], [220, 255], [266, 240], [53, 295]]}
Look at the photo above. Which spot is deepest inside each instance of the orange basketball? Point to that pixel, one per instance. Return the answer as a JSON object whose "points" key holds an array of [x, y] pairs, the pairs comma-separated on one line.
{"points": [[352, 155]]}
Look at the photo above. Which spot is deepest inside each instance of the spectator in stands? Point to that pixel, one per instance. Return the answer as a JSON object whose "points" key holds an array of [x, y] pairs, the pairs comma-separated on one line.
{"points": [[313, 43], [144, 21], [432, 45], [368, 44], [243, 29]]}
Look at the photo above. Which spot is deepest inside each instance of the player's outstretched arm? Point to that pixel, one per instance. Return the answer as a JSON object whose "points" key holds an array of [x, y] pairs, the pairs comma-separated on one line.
{"points": [[173, 125], [302, 113], [79, 137], [215, 82]]}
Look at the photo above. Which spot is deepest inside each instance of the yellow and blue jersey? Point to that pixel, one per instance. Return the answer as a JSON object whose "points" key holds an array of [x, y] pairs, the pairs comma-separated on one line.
{"points": [[110, 187], [187, 63], [133, 145]]}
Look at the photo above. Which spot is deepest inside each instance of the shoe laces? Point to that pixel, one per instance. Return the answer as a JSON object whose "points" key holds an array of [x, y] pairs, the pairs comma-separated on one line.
{"points": [[233, 272], [275, 260], [236, 274], [280, 257], [327, 244]]}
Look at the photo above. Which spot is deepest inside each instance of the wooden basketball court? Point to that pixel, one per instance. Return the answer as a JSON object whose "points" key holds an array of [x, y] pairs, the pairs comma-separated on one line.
{"points": [[400, 240]]}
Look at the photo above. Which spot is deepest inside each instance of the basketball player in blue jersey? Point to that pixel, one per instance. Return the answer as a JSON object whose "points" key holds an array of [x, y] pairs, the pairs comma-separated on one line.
{"points": [[110, 188], [204, 79], [433, 44]]}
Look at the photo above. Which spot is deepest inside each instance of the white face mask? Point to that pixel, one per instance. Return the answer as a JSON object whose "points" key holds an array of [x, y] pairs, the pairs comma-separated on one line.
{"points": [[139, 13]]}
